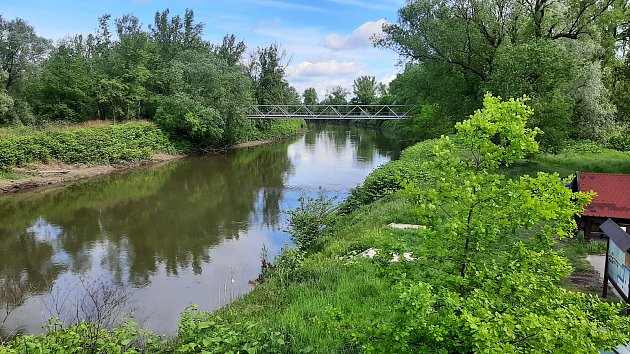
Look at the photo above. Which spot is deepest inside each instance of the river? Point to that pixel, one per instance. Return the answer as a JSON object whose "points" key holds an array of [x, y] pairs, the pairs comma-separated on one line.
{"points": [[153, 241]]}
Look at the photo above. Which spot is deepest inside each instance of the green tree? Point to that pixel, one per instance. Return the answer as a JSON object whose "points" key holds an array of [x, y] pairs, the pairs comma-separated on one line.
{"points": [[212, 98], [459, 50], [65, 88], [364, 90], [267, 70], [309, 96], [336, 96], [20, 50], [486, 273], [230, 50]]}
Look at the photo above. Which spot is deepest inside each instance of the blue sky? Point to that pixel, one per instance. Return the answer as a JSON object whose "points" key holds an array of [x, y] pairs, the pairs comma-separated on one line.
{"points": [[327, 40]]}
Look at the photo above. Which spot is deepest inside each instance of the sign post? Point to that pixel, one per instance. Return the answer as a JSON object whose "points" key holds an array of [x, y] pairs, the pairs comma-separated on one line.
{"points": [[617, 268]]}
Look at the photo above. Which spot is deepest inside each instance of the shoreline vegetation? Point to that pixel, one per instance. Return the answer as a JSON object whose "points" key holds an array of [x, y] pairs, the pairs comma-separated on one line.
{"points": [[323, 296], [35, 163]]}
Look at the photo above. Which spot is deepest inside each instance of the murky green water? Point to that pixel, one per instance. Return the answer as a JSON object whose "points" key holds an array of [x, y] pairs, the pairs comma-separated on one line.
{"points": [[154, 241]]}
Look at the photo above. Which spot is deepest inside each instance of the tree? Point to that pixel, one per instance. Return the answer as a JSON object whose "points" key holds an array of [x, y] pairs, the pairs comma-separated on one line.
{"points": [[267, 70], [211, 103], [65, 88], [364, 90], [20, 50], [457, 51], [485, 277], [336, 96], [230, 50], [172, 34], [309, 96]]}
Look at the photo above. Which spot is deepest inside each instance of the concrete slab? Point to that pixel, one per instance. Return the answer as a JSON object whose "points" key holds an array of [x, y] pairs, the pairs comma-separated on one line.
{"points": [[406, 226], [599, 263]]}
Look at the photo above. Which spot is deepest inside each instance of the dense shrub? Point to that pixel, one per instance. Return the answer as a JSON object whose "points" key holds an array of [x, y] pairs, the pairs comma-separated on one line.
{"points": [[309, 219], [202, 332], [98, 144], [182, 116], [87, 338], [278, 128], [619, 141]]}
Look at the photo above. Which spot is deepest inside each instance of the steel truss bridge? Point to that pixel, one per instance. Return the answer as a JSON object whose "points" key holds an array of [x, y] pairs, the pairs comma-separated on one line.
{"points": [[343, 111]]}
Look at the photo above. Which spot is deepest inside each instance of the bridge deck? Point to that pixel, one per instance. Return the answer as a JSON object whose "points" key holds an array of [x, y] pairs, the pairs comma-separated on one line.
{"points": [[347, 111]]}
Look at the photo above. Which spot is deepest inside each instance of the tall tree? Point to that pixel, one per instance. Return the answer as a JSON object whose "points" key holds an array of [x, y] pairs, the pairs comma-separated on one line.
{"points": [[267, 69], [364, 90], [20, 50], [336, 96], [309, 96], [230, 50]]}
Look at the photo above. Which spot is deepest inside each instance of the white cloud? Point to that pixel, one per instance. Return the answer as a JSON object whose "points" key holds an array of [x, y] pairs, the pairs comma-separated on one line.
{"points": [[326, 68], [359, 38]]}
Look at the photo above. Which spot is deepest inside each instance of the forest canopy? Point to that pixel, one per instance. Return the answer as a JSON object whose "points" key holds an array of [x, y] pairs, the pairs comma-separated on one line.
{"points": [[569, 56]]}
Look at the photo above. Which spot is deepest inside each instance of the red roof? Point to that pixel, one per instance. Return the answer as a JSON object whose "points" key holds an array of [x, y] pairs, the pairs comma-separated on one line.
{"points": [[613, 194]]}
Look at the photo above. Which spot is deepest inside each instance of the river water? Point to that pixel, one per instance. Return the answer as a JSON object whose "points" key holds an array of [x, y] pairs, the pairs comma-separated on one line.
{"points": [[153, 241]]}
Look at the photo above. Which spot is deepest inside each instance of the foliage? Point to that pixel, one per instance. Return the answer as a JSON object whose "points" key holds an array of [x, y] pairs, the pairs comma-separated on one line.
{"points": [[87, 338], [307, 222], [98, 144], [364, 90], [497, 135], [182, 116], [280, 128], [195, 90], [309, 97], [201, 332], [288, 265], [383, 181], [336, 96], [494, 287], [557, 53]]}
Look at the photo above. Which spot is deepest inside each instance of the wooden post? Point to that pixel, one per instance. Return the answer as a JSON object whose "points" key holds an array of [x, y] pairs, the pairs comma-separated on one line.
{"points": [[588, 228], [605, 289]]}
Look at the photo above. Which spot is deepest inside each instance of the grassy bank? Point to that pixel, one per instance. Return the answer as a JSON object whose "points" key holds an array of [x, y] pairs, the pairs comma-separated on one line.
{"points": [[95, 145], [328, 300], [105, 143]]}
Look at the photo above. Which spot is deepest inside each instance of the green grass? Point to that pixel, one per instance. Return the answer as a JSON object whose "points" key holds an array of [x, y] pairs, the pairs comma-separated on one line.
{"points": [[580, 156], [330, 283], [13, 176]]}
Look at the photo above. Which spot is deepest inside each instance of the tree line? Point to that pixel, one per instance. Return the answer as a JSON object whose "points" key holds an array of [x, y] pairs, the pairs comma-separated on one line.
{"points": [[167, 72], [569, 56]]}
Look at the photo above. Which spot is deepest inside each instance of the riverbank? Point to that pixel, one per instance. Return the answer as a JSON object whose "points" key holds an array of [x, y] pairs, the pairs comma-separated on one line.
{"points": [[30, 174], [332, 299]]}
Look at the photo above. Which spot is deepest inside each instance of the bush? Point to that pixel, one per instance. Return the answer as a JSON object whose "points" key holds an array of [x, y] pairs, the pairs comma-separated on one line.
{"points": [[619, 141], [185, 117], [307, 222], [202, 332], [87, 337], [277, 128], [98, 144]]}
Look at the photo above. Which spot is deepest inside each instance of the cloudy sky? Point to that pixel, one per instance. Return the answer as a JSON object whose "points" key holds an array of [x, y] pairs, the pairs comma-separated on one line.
{"points": [[328, 41]]}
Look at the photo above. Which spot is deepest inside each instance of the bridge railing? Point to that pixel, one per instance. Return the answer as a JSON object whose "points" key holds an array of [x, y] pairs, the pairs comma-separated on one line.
{"points": [[344, 111]]}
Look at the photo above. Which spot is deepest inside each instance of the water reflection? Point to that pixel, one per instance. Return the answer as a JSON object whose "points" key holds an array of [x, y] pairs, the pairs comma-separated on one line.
{"points": [[186, 233]]}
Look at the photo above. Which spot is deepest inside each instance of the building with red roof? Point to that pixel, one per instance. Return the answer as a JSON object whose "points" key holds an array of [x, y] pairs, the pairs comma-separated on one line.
{"points": [[612, 199]]}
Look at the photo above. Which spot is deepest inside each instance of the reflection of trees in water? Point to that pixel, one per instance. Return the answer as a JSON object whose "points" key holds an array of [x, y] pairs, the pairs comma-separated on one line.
{"points": [[366, 141], [171, 215]]}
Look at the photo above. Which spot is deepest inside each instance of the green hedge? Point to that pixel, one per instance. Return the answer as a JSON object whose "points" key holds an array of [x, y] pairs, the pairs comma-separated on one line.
{"points": [[97, 144], [277, 128]]}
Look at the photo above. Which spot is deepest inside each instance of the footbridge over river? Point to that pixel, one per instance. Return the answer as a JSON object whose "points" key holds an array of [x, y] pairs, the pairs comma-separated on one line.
{"points": [[342, 111]]}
